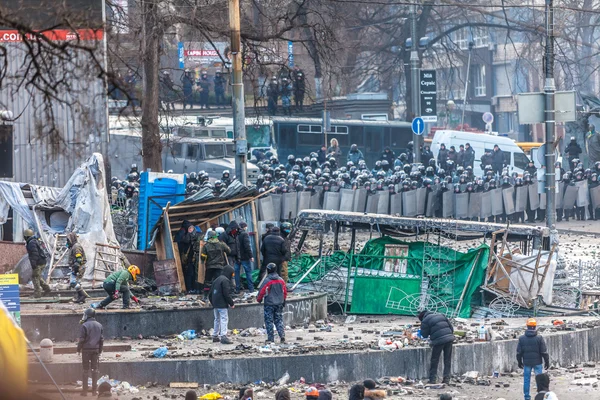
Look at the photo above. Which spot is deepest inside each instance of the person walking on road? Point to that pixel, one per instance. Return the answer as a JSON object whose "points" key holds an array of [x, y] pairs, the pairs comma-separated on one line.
{"points": [[90, 346], [441, 333], [220, 298], [37, 259], [531, 352], [274, 292]]}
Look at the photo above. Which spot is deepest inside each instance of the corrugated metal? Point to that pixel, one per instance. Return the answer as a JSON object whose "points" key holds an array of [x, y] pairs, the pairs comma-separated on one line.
{"points": [[83, 124]]}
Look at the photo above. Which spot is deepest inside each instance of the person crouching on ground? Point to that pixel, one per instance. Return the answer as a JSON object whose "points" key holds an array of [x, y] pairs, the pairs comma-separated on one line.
{"points": [[439, 329], [531, 352], [118, 281], [220, 298], [543, 384], [274, 292]]}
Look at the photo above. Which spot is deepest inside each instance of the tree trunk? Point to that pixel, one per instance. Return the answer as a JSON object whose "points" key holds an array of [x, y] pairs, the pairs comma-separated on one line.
{"points": [[151, 145]]}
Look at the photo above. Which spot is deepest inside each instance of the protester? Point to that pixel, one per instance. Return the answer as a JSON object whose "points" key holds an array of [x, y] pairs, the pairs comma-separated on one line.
{"points": [[531, 352], [77, 259], [357, 392], [91, 342], [441, 333], [220, 299], [214, 255], [37, 259], [273, 250], [191, 395], [542, 382], [282, 394], [274, 293], [188, 243], [118, 282], [244, 260]]}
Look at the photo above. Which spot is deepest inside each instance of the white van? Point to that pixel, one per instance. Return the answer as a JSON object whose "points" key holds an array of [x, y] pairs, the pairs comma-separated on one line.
{"points": [[514, 157]]}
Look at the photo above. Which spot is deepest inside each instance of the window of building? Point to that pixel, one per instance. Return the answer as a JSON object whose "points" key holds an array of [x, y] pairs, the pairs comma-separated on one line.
{"points": [[479, 80], [481, 37], [214, 151], [340, 130], [461, 38], [310, 129]]}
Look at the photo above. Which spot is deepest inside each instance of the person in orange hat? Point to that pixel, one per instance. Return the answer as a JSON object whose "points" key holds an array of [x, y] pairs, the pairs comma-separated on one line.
{"points": [[312, 393], [531, 352]]}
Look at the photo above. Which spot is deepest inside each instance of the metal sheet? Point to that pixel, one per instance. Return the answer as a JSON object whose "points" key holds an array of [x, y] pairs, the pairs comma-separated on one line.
{"points": [[521, 198], [276, 198], [303, 201], [533, 196], [432, 202], [360, 200], [346, 200], [497, 204], [595, 195], [570, 197], [409, 207], [396, 204], [508, 197], [383, 205], [461, 205], [372, 202], [486, 205], [474, 205], [421, 200], [315, 200], [265, 209], [558, 199], [331, 201], [289, 206], [583, 194], [448, 204]]}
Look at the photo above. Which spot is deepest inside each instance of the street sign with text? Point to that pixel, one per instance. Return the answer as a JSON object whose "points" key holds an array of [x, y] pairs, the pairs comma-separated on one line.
{"points": [[427, 85]]}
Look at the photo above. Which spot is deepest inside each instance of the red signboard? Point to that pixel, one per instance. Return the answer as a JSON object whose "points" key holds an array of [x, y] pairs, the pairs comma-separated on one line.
{"points": [[55, 34]]}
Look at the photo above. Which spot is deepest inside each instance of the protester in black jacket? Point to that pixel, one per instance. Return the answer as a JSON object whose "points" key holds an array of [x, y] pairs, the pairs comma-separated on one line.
{"points": [[245, 259], [441, 333], [229, 237], [273, 250], [531, 351], [91, 342], [220, 298]]}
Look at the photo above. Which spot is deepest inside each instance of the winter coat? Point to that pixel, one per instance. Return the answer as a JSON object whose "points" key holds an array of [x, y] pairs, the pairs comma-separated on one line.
{"points": [[119, 278], [187, 83], [35, 252], [426, 155], [531, 350], [231, 241], [573, 150], [469, 157], [321, 156], [213, 254], [497, 160], [90, 336], [460, 158], [452, 155], [220, 290], [273, 250], [243, 240], [355, 156], [437, 327], [442, 157], [273, 291], [532, 171]]}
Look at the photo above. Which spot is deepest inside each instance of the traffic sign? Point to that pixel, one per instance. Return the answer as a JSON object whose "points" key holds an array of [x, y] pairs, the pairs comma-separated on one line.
{"points": [[428, 92], [418, 126]]}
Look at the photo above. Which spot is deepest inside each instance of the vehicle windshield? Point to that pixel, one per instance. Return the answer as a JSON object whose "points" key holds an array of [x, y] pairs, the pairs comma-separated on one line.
{"points": [[258, 136]]}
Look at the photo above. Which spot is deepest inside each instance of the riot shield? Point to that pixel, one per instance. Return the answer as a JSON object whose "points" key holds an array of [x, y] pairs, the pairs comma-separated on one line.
{"points": [[315, 200], [276, 203], [432, 202], [595, 195], [461, 205], [409, 206], [497, 205], [520, 198], [331, 201], [570, 197], [360, 200], [346, 200], [383, 204], [474, 205], [420, 200], [396, 204], [304, 201], [558, 199], [448, 204], [289, 205], [508, 197], [265, 209], [486, 205], [543, 201], [582, 194], [534, 197]]}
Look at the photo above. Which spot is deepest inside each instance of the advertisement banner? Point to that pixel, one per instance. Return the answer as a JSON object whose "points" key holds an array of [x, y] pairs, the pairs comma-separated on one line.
{"points": [[9, 295]]}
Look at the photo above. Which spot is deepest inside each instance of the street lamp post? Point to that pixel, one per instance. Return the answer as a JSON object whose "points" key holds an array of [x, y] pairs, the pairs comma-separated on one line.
{"points": [[450, 106]]}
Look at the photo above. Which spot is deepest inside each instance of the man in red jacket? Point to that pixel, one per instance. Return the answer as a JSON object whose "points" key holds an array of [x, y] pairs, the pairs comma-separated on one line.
{"points": [[274, 293]]}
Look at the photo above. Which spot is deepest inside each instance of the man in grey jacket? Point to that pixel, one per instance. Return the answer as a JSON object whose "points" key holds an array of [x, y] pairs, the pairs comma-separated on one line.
{"points": [[90, 346]]}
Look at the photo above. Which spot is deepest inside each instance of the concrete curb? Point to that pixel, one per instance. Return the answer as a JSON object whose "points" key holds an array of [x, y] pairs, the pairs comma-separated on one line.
{"points": [[564, 348], [63, 326]]}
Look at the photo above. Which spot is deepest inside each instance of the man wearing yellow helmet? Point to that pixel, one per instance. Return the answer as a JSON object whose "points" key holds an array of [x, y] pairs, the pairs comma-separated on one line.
{"points": [[118, 282], [531, 351]]}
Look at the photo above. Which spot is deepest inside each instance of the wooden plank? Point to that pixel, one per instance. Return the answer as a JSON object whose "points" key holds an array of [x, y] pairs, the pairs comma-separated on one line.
{"points": [[212, 203], [198, 212], [256, 232], [169, 237], [184, 385]]}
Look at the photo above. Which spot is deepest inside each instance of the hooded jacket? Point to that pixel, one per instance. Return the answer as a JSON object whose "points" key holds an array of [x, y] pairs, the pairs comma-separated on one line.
{"points": [[213, 253], [36, 255], [531, 350], [437, 327], [220, 290], [273, 291], [274, 250], [231, 241]]}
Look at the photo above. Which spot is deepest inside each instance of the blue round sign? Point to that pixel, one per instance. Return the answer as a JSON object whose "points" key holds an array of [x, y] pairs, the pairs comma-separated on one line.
{"points": [[418, 126]]}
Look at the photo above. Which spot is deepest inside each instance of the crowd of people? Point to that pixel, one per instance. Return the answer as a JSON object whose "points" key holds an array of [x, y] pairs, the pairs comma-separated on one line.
{"points": [[282, 88], [192, 90], [451, 169]]}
